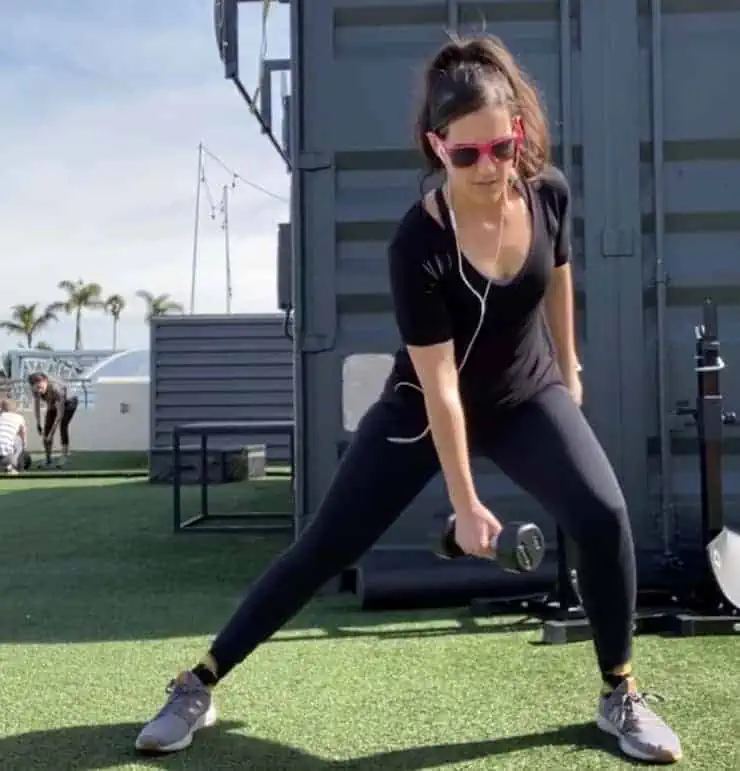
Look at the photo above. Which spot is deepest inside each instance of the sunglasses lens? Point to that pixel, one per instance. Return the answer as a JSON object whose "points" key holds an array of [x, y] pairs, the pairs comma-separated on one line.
{"points": [[463, 157], [504, 151]]}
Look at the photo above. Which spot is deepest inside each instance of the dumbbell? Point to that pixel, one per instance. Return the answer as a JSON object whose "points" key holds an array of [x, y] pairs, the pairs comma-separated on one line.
{"points": [[518, 548]]}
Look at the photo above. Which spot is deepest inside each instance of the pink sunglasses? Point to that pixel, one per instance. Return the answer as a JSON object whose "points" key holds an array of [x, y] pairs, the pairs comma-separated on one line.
{"points": [[468, 154]]}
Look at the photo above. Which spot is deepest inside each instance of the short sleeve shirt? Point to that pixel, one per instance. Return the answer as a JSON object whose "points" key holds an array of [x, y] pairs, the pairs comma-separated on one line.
{"points": [[437, 297]]}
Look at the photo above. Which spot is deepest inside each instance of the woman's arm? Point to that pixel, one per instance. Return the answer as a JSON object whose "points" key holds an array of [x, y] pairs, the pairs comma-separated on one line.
{"points": [[437, 371], [559, 311], [37, 409], [61, 405], [559, 304], [426, 330]]}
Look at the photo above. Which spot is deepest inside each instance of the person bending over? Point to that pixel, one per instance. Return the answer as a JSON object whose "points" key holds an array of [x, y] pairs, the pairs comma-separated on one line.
{"points": [[480, 273], [13, 438], [60, 409]]}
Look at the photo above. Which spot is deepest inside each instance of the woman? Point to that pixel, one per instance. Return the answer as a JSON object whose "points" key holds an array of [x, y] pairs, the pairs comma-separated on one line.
{"points": [[60, 409], [475, 268]]}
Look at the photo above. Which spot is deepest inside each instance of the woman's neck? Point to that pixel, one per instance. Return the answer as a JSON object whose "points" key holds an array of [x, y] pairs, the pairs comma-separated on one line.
{"points": [[476, 210]]}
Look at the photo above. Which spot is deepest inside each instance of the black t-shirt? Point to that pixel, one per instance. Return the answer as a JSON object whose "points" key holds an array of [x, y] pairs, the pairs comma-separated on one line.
{"points": [[511, 357]]}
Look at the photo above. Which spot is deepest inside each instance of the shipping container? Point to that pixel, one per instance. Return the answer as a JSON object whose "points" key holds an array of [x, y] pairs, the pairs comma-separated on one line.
{"points": [[639, 100]]}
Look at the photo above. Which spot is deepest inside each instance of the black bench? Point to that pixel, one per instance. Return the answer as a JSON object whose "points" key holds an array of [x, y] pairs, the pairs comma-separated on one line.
{"points": [[241, 521]]}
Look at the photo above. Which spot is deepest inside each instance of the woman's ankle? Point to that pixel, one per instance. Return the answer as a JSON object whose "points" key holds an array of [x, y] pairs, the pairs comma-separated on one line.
{"points": [[614, 678], [207, 671]]}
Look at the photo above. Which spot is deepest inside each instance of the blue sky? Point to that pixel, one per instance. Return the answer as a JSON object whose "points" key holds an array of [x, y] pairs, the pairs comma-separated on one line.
{"points": [[103, 107]]}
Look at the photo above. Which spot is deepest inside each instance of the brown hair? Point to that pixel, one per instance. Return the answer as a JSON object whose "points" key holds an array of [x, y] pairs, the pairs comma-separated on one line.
{"points": [[7, 405], [468, 73]]}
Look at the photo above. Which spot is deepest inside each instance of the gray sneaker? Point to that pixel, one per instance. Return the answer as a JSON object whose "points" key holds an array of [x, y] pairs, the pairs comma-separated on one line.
{"points": [[641, 733], [189, 708]]}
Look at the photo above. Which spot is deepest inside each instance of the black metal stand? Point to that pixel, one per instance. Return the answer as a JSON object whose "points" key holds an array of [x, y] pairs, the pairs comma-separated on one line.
{"points": [[709, 610], [562, 613], [703, 610], [204, 521], [561, 609], [564, 619]]}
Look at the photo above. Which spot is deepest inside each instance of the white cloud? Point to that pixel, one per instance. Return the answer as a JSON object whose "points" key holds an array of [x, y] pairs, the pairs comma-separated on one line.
{"points": [[105, 111]]}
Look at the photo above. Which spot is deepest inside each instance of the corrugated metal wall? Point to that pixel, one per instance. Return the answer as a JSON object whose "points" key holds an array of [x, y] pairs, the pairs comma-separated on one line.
{"points": [[236, 367], [693, 224], [372, 54], [356, 72]]}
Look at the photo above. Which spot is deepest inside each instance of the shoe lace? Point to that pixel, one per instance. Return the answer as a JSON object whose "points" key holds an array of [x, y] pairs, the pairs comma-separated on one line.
{"points": [[634, 711], [180, 699]]}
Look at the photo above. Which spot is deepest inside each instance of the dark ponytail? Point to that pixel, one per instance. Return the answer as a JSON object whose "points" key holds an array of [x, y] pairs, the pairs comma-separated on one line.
{"points": [[464, 76]]}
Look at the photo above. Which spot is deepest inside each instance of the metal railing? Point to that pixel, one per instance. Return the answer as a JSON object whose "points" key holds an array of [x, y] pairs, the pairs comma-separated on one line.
{"points": [[20, 392], [65, 367]]}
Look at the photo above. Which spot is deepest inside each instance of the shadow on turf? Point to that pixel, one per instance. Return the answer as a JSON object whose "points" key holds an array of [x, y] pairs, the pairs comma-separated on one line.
{"points": [[464, 625], [106, 566], [93, 748]]}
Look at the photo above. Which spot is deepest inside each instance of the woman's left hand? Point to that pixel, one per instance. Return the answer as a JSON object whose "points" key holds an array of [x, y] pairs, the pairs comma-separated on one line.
{"points": [[574, 385]]}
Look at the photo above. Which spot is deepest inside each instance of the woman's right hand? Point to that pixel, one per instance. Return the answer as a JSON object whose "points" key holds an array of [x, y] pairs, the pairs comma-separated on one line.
{"points": [[475, 528]]}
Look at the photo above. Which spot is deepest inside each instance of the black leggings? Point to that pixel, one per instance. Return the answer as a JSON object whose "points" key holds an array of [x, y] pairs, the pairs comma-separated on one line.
{"points": [[70, 407], [545, 446]]}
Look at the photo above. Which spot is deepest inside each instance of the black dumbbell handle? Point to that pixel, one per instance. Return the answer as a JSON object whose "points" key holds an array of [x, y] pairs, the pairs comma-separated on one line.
{"points": [[452, 547]]}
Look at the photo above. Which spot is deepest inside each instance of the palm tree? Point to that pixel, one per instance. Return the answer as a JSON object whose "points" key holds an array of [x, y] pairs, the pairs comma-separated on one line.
{"points": [[27, 320], [114, 306], [80, 296], [159, 305]]}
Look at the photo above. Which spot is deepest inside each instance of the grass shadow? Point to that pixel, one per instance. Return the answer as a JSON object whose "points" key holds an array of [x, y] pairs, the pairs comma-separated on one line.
{"points": [[100, 558], [96, 748]]}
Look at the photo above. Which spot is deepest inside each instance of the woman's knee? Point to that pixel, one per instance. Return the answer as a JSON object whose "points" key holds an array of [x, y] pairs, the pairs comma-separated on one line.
{"points": [[601, 520], [316, 556]]}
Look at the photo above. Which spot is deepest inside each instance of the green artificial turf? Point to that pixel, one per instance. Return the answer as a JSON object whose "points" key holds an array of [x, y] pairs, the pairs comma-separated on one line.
{"points": [[90, 464], [104, 461], [100, 604]]}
